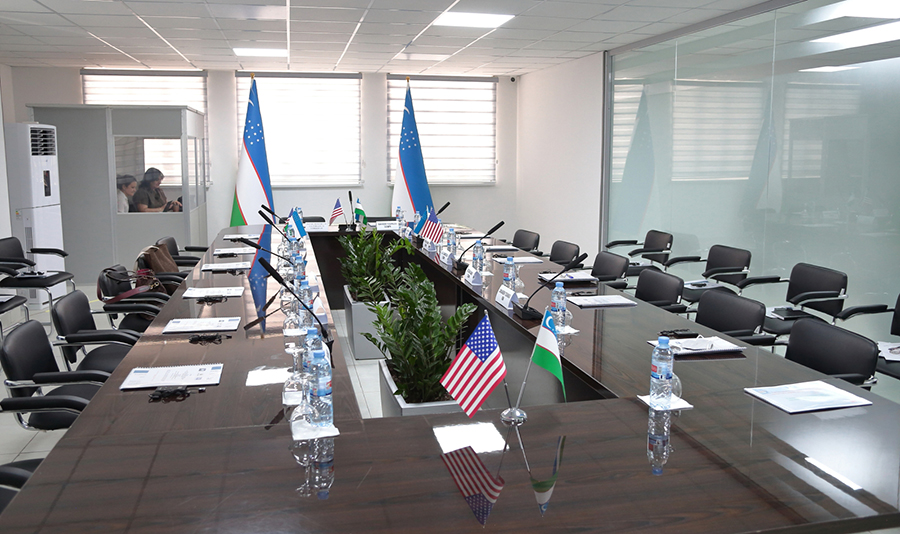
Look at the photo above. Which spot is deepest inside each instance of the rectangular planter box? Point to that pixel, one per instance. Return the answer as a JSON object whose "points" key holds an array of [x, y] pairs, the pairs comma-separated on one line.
{"points": [[394, 405], [359, 320]]}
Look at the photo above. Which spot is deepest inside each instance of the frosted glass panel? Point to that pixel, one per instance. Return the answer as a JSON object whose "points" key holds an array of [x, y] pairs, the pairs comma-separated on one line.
{"points": [[779, 133]]}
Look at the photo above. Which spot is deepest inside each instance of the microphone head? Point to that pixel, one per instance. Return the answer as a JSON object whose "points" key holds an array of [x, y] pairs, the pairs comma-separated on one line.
{"points": [[576, 261], [267, 208], [442, 208], [495, 228]]}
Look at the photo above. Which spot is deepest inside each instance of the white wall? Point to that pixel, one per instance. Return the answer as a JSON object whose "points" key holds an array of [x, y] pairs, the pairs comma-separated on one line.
{"points": [[5, 110], [560, 128], [223, 149]]}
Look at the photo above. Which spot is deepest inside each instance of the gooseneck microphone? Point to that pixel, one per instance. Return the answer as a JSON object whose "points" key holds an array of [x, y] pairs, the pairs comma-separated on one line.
{"points": [[273, 225], [280, 219], [528, 313], [445, 206], [461, 265], [249, 243], [326, 335]]}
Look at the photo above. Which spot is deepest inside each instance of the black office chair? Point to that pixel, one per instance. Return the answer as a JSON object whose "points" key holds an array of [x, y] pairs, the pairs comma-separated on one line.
{"points": [[527, 240], [75, 325], [119, 296], [13, 256], [734, 316], [10, 302], [182, 260], [610, 269], [313, 218], [833, 351], [656, 248], [562, 252], [810, 287], [890, 368], [660, 289], [28, 362], [724, 264], [13, 477]]}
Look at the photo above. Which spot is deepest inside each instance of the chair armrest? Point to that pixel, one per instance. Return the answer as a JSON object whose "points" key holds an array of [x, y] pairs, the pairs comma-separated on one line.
{"points": [[536, 252], [720, 271], [637, 251], [69, 403], [682, 259], [799, 300], [70, 377], [674, 308], [621, 285], [18, 263], [8, 270], [187, 261], [131, 307], [55, 251], [101, 336], [13, 477], [195, 248], [863, 310], [854, 378], [754, 280], [622, 242]]}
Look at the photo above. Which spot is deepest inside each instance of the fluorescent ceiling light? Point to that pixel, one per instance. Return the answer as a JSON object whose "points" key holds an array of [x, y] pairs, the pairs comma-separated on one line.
{"points": [[871, 9], [471, 20], [482, 437], [828, 69], [261, 52], [868, 36]]}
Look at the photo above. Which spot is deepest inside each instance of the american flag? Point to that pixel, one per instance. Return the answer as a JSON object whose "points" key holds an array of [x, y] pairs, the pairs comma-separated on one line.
{"points": [[476, 370], [338, 211], [433, 228], [478, 487]]}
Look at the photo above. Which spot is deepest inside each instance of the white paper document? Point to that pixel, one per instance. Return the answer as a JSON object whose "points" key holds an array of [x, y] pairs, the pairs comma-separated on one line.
{"points": [[889, 351], [677, 403], [205, 324], [601, 301], [238, 236], [222, 267], [518, 260], [701, 345], [205, 292], [500, 248], [317, 226], [571, 276], [179, 375], [234, 250], [807, 397], [264, 377]]}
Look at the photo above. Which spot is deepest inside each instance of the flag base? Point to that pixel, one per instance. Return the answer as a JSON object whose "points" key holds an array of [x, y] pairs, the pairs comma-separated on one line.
{"points": [[513, 417]]}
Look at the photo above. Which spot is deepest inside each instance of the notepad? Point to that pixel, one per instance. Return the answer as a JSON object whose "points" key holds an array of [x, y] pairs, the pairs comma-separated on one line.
{"points": [[518, 260], [206, 292], [222, 267], [701, 345], [601, 301], [572, 276], [787, 314], [205, 324], [234, 250], [807, 397], [500, 248], [178, 375]]}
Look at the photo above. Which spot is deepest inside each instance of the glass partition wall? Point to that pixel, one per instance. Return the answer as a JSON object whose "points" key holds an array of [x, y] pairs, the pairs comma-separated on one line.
{"points": [[778, 133]]}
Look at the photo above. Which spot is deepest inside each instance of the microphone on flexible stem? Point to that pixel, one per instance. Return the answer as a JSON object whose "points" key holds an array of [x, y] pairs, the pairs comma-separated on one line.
{"points": [[351, 226], [461, 265], [272, 224], [528, 313], [249, 243], [326, 335], [281, 220], [442, 209]]}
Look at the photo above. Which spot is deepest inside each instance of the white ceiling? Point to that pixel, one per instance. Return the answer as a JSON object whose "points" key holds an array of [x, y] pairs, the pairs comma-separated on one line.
{"points": [[333, 35]]}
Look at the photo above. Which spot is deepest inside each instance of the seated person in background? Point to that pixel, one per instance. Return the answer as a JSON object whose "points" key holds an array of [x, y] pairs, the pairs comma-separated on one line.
{"points": [[126, 185], [149, 197]]}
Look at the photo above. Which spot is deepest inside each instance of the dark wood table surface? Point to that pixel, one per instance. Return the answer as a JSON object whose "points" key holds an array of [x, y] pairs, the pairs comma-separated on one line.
{"points": [[220, 461]]}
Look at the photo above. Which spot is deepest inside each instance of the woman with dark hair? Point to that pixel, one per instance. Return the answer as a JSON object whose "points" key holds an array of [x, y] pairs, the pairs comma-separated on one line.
{"points": [[150, 197], [126, 185]]}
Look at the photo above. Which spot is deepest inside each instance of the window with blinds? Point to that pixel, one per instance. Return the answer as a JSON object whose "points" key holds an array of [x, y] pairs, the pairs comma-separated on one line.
{"points": [[312, 127], [457, 123], [626, 99]]}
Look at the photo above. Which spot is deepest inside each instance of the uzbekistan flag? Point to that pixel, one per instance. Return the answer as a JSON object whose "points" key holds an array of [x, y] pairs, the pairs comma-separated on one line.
{"points": [[411, 191], [478, 487], [360, 213], [543, 489], [476, 370], [546, 349], [297, 224], [252, 187], [336, 212]]}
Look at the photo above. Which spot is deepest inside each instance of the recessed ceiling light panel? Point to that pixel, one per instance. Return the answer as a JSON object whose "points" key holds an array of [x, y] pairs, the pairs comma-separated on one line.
{"points": [[471, 20], [260, 52], [865, 37]]}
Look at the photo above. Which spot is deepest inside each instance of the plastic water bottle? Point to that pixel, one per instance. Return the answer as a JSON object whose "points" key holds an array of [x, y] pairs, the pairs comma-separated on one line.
{"points": [[417, 218], [661, 375], [558, 305], [299, 267], [398, 214], [478, 256], [509, 273], [305, 293], [313, 343], [322, 466], [322, 409], [658, 427], [451, 241]]}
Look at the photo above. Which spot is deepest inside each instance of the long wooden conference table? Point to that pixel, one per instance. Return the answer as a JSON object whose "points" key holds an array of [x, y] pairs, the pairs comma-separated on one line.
{"points": [[220, 461]]}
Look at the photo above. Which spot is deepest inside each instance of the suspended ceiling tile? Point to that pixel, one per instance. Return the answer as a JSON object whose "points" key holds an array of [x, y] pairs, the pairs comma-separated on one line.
{"points": [[606, 26], [395, 16], [322, 27], [113, 32], [528, 35], [693, 16], [575, 10], [72, 7], [168, 9], [525, 22], [325, 14], [423, 5], [38, 19], [248, 12]]}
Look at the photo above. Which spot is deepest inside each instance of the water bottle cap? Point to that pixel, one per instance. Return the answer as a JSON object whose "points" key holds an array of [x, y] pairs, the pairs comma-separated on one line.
{"points": [[319, 353], [657, 471], [663, 342], [304, 282], [312, 331], [477, 241], [559, 284], [509, 259]]}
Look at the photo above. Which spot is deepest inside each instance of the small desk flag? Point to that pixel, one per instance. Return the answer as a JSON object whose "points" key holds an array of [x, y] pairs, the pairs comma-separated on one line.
{"points": [[433, 229], [411, 190], [360, 213], [478, 487], [338, 211], [297, 223], [252, 187], [476, 370], [546, 349]]}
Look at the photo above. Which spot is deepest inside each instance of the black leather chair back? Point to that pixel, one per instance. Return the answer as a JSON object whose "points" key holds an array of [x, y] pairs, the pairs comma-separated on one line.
{"points": [[526, 240], [726, 312], [170, 244], [658, 288], [895, 321], [11, 247], [806, 277], [71, 314], [830, 349], [26, 351], [110, 287], [724, 256], [314, 218], [609, 266], [563, 252], [659, 241]]}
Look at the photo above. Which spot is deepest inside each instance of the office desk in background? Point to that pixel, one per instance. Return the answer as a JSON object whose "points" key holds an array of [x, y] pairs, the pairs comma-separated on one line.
{"points": [[220, 461]]}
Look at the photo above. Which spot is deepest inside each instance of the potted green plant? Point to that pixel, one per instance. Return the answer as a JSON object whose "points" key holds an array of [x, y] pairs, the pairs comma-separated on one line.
{"points": [[419, 345], [372, 276]]}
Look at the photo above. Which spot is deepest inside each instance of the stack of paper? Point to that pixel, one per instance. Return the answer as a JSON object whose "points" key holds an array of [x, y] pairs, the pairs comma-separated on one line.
{"points": [[701, 345], [210, 324], [807, 397], [214, 292], [519, 259], [234, 250], [222, 267], [178, 375], [601, 301], [573, 276]]}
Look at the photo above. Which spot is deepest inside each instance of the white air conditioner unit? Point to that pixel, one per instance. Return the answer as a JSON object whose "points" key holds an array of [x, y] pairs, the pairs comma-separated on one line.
{"points": [[33, 179]]}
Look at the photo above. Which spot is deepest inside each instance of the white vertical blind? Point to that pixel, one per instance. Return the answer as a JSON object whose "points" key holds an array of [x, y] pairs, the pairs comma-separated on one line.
{"points": [[312, 128], [457, 123]]}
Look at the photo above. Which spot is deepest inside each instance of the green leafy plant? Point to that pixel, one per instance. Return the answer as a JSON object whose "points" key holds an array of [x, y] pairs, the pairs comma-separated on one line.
{"points": [[369, 266], [416, 340]]}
